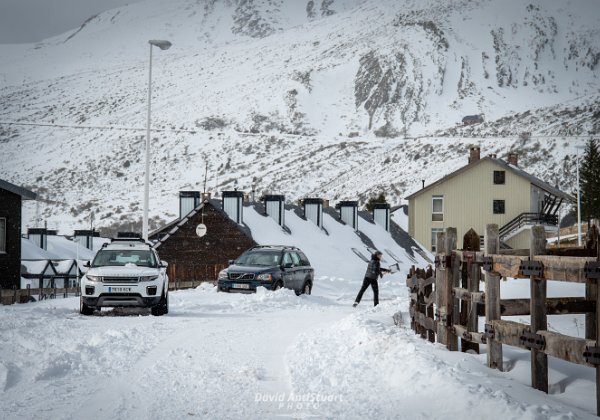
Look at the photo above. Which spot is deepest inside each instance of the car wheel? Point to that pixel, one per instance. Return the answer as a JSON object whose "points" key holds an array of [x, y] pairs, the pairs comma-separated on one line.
{"points": [[84, 309], [163, 306], [307, 288], [278, 285]]}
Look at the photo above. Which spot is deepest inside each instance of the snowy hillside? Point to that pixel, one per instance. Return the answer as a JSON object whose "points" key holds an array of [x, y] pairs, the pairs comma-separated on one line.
{"points": [[334, 98]]}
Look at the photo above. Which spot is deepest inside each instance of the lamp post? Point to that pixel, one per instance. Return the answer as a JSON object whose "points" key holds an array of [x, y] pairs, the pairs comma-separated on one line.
{"points": [[578, 205], [163, 45]]}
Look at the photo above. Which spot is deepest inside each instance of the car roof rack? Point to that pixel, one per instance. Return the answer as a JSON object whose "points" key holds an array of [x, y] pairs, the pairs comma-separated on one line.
{"points": [[131, 241], [275, 246]]}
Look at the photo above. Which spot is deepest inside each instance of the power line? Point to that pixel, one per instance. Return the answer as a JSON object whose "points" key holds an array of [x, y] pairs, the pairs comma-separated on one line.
{"points": [[515, 136], [96, 127]]}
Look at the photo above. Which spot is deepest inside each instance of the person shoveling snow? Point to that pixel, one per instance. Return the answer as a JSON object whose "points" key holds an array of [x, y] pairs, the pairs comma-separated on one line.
{"points": [[374, 271]]}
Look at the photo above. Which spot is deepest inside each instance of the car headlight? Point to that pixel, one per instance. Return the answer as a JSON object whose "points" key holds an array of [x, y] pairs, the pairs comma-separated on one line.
{"points": [[223, 274], [264, 277], [148, 278], [94, 278]]}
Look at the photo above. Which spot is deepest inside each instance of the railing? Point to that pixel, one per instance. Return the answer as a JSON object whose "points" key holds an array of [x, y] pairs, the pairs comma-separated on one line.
{"points": [[14, 295], [446, 303], [527, 219]]}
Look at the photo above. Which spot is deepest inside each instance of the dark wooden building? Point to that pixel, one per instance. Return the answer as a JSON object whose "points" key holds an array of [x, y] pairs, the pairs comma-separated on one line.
{"points": [[11, 197], [194, 258]]}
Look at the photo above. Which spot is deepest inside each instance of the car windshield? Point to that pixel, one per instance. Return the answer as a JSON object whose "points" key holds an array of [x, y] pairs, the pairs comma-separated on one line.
{"points": [[120, 257], [260, 258]]}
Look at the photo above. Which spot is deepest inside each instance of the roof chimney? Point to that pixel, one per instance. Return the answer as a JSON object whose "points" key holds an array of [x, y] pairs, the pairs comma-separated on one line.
{"points": [[513, 159], [474, 154]]}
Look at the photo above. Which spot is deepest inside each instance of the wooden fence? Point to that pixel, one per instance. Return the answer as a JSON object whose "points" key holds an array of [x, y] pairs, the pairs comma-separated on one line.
{"points": [[11, 296], [446, 302]]}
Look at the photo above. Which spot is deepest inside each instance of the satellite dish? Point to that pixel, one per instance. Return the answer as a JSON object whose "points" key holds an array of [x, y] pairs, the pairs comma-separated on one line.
{"points": [[201, 230]]}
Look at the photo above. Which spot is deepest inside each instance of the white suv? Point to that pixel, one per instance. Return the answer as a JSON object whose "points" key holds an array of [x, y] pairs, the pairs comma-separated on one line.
{"points": [[125, 272]]}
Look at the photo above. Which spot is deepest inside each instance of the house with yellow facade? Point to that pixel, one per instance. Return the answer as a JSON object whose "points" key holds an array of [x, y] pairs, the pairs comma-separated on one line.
{"points": [[486, 190]]}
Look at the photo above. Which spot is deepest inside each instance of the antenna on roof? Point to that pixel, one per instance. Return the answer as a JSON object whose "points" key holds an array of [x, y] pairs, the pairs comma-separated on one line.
{"points": [[205, 175]]}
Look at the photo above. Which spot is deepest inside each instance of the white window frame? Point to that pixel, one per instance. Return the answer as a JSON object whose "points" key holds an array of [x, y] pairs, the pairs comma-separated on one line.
{"points": [[434, 213], [2, 235], [434, 232]]}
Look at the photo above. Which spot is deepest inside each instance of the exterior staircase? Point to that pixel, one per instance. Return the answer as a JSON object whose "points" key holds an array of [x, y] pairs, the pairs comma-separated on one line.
{"points": [[525, 220]]}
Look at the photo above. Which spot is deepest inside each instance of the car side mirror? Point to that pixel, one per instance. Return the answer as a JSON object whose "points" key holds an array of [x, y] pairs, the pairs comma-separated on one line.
{"points": [[288, 265], [231, 262], [87, 264], [163, 264]]}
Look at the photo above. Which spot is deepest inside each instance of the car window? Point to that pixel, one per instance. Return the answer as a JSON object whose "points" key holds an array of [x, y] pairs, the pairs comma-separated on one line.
{"points": [[287, 258], [296, 259], [304, 259], [259, 258], [120, 257]]}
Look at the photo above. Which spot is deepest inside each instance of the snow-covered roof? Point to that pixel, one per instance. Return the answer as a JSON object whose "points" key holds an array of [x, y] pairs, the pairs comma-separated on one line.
{"points": [[30, 251], [335, 240], [65, 267], [24, 193], [67, 249], [168, 230], [38, 267]]}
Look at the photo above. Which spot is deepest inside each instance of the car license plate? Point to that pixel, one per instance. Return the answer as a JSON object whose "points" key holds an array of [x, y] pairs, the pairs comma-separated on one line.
{"points": [[119, 289], [240, 286]]}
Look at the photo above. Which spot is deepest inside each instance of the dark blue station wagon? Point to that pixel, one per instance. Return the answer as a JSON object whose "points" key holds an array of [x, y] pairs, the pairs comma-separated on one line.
{"points": [[270, 266]]}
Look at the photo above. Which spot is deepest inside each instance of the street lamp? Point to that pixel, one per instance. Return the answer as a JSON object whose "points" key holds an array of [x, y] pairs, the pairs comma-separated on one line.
{"points": [[163, 45], [578, 201]]}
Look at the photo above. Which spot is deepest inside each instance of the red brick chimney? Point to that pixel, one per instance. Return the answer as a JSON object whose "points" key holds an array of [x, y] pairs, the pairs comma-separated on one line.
{"points": [[474, 154], [513, 159]]}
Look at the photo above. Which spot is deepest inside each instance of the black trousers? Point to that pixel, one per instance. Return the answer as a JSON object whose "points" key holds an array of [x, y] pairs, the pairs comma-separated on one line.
{"points": [[374, 285]]}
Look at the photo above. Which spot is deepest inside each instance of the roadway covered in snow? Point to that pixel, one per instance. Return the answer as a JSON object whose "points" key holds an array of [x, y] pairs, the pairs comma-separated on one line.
{"points": [[275, 354], [265, 355]]}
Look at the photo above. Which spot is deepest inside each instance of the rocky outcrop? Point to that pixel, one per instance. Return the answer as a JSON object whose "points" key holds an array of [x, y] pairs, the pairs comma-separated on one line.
{"points": [[249, 19]]}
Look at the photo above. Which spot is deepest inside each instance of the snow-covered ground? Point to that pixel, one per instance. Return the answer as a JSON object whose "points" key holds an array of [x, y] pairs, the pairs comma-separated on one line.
{"points": [[265, 355]]}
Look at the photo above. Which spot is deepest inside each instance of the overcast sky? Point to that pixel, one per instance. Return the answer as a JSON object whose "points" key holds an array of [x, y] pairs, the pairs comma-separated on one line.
{"points": [[34, 20]]}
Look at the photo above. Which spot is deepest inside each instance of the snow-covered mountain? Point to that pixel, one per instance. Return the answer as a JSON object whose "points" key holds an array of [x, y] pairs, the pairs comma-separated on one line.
{"points": [[334, 98]]}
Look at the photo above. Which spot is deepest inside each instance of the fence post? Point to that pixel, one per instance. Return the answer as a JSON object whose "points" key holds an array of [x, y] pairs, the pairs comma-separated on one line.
{"points": [[429, 311], [440, 291], [539, 319], [421, 304], [471, 275], [591, 293], [492, 297], [412, 306], [597, 332], [452, 278], [597, 314]]}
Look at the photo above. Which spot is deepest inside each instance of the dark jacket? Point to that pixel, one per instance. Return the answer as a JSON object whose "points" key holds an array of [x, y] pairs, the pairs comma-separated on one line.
{"points": [[374, 268]]}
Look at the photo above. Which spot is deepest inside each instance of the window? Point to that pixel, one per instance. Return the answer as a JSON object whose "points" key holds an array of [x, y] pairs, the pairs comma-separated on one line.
{"points": [[304, 259], [296, 259], [434, 233], [499, 177], [437, 208], [2, 235], [499, 206], [287, 259], [122, 257]]}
